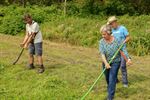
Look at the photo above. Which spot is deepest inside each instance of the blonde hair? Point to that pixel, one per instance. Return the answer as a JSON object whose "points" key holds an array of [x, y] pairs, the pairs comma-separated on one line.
{"points": [[106, 28]]}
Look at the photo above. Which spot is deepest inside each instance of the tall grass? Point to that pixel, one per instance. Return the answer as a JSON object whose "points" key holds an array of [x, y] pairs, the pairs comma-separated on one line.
{"points": [[76, 29]]}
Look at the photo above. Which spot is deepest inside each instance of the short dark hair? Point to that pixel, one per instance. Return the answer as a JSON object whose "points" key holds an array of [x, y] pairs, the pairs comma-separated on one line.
{"points": [[26, 16]]}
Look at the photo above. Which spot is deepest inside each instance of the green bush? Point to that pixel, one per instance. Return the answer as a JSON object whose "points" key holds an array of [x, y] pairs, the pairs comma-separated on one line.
{"points": [[11, 19], [73, 9], [140, 46], [11, 25], [75, 29]]}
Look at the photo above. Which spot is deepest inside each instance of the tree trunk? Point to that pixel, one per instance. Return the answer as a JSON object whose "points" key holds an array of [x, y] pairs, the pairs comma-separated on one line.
{"points": [[24, 3], [65, 7]]}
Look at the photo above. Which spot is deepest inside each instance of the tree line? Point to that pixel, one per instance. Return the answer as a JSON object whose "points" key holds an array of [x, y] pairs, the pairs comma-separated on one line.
{"points": [[107, 7]]}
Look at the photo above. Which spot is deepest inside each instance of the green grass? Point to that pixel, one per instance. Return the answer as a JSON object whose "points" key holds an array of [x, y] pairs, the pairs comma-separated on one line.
{"points": [[70, 71], [85, 31]]}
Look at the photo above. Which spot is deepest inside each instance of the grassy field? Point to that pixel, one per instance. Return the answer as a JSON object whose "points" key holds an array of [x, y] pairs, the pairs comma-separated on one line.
{"points": [[70, 71]]}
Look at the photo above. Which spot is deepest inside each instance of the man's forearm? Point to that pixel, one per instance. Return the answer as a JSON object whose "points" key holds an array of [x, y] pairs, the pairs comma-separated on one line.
{"points": [[30, 38], [25, 39], [123, 55], [127, 39]]}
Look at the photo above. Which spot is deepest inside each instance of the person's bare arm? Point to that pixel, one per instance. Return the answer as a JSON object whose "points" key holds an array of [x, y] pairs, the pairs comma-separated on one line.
{"points": [[30, 38], [107, 65], [127, 39], [24, 40], [128, 61]]}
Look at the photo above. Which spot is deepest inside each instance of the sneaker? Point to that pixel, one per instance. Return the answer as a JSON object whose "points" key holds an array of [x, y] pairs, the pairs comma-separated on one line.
{"points": [[30, 66], [125, 85], [110, 99], [117, 80], [42, 69]]}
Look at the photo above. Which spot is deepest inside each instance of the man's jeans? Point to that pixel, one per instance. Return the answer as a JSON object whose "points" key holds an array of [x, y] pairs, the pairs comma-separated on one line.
{"points": [[124, 71], [111, 79]]}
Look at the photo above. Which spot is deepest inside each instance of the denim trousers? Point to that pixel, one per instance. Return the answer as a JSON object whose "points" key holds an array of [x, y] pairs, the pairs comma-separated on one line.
{"points": [[111, 79], [124, 71]]}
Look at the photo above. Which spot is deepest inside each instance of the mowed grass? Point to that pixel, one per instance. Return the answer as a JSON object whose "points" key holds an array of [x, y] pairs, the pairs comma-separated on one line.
{"points": [[70, 71]]}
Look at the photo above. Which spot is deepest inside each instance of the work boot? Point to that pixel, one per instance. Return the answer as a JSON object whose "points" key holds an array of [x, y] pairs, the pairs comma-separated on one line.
{"points": [[30, 66], [41, 69], [117, 81], [125, 85]]}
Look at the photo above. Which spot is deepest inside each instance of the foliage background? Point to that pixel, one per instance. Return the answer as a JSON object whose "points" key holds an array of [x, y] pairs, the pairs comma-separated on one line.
{"points": [[80, 26]]}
